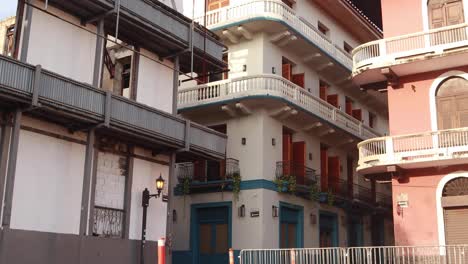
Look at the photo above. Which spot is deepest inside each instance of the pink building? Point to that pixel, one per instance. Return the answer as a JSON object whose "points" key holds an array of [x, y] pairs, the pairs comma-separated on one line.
{"points": [[422, 65]]}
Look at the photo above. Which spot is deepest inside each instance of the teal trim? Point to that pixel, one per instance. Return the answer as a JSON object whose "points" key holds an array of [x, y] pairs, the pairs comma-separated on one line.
{"points": [[194, 228], [258, 184], [300, 222], [240, 22], [333, 226], [222, 102]]}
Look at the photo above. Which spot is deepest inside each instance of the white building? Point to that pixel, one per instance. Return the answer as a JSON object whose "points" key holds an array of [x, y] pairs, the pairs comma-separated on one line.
{"points": [[293, 117], [88, 122]]}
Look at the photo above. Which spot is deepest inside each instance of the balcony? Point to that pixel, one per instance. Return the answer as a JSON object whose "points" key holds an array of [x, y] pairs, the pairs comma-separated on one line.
{"points": [[341, 189], [295, 178], [275, 88], [384, 201], [364, 195], [437, 148], [206, 176], [78, 106], [165, 30], [411, 54], [282, 22]]}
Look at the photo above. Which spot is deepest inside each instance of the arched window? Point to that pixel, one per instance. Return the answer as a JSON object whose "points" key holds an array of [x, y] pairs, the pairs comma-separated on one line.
{"points": [[452, 103], [445, 13], [455, 206]]}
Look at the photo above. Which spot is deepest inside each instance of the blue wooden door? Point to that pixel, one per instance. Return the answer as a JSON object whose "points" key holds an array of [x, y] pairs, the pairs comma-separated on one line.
{"points": [[328, 230], [289, 228], [213, 235], [355, 232]]}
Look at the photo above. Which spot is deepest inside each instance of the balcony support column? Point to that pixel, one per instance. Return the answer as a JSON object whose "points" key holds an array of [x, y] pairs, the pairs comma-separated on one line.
{"points": [[171, 185], [11, 168], [175, 83], [98, 59], [88, 170]]}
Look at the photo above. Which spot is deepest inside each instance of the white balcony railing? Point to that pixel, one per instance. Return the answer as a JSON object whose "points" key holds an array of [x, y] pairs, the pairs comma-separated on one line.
{"points": [[385, 51], [430, 146], [274, 10], [275, 86]]}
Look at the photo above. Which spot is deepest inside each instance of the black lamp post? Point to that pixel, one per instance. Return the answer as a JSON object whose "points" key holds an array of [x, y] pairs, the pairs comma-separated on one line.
{"points": [[145, 203]]}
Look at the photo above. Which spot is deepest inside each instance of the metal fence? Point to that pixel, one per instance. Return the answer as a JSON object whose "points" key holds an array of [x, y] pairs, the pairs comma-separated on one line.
{"points": [[456, 254]]}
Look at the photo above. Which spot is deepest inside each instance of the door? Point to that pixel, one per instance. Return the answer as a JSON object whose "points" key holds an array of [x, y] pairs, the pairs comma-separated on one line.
{"points": [[444, 13], [299, 79], [333, 100], [299, 162], [199, 170], [355, 231], [213, 235], [290, 228], [287, 154], [328, 230], [334, 174], [357, 113], [323, 90], [350, 172], [349, 106], [324, 167], [287, 71], [456, 225], [377, 230]]}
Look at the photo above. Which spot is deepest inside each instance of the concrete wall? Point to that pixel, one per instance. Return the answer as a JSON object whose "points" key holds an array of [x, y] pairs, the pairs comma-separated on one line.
{"points": [[61, 47]]}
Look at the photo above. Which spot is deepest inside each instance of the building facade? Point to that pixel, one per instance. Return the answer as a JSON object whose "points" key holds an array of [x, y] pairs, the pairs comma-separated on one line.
{"points": [[88, 121], [293, 118], [421, 63]]}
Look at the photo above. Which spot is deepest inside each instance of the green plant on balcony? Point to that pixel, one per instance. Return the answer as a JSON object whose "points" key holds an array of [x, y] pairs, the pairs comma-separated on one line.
{"points": [[314, 192], [236, 182], [286, 183], [186, 185]]}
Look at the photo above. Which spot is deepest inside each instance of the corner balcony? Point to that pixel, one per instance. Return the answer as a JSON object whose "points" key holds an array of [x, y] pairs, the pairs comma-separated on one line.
{"points": [[79, 106], [286, 28], [430, 149], [204, 176], [321, 116], [420, 52]]}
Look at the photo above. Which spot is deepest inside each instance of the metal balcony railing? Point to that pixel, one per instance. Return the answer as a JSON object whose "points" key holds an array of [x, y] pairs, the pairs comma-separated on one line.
{"points": [[276, 10], [207, 171], [58, 95], [108, 222], [453, 254], [304, 175], [412, 148], [384, 200], [363, 194], [386, 51], [273, 86], [340, 188]]}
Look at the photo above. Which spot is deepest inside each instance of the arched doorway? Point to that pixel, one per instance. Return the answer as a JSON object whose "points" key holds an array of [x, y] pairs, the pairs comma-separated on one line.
{"points": [[452, 103], [455, 208]]}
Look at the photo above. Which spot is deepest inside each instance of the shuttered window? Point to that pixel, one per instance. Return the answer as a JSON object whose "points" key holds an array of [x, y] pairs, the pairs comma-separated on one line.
{"points": [[444, 13], [215, 4], [456, 225], [452, 103]]}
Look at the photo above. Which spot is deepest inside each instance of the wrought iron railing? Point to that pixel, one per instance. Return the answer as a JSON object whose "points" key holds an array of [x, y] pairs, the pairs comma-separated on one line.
{"points": [[108, 222], [340, 188], [205, 171], [304, 175], [384, 200], [363, 194]]}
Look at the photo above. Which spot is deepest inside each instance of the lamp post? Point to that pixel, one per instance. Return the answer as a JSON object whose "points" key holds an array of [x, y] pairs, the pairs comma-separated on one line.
{"points": [[146, 196]]}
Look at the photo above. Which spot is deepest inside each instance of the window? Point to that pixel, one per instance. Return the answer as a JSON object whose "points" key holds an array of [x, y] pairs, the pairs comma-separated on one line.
{"points": [[323, 86], [109, 204], [347, 47], [323, 29], [8, 46], [452, 103], [444, 13], [216, 4]]}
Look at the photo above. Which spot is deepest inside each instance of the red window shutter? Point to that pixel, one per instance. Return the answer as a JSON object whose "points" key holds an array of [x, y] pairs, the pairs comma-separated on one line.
{"points": [[324, 168], [299, 153], [333, 100], [299, 79], [357, 113], [199, 170], [323, 92], [222, 169], [334, 173], [349, 107], [287, 153], [287, 71]]}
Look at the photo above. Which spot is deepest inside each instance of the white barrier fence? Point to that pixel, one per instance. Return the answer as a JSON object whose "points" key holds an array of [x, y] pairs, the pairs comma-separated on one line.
{"points": [[456, 254]]}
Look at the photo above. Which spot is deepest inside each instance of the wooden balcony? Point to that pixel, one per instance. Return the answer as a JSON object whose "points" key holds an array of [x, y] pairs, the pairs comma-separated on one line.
{"points": [[436, 148], [274, 87], [411, 54], [78, 105]]}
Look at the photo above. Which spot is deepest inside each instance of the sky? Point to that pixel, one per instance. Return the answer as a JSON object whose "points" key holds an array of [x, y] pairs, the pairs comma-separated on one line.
{"points": [[371, 8], [7, 8]]}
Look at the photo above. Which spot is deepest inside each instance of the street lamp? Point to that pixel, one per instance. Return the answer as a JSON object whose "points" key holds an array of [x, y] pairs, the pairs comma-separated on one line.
{"points": [[146, 196]]}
